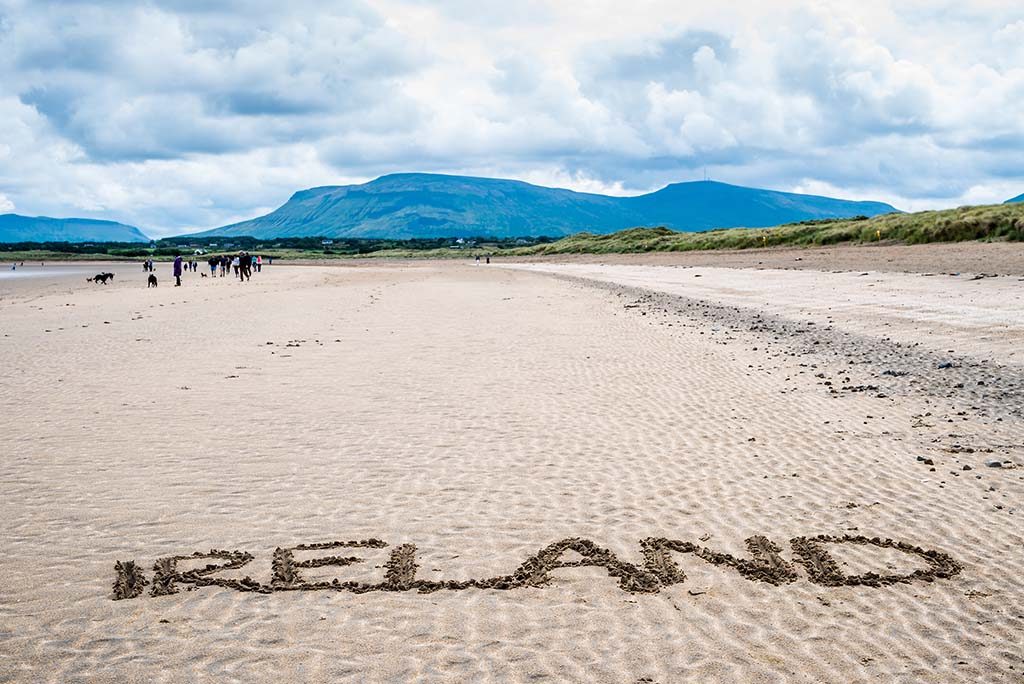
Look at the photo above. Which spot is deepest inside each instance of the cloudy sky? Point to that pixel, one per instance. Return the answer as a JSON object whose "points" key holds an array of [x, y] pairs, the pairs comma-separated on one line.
{"points": [[181, 114]]}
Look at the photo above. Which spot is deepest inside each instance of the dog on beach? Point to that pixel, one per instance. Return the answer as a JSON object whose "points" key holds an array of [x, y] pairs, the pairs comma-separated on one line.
{"points": [[203, 275], [152, 281], [100, 278]]}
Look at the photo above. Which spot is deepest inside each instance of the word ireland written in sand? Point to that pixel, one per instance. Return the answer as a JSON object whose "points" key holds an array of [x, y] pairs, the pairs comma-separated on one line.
{"points": [[658, 569]]}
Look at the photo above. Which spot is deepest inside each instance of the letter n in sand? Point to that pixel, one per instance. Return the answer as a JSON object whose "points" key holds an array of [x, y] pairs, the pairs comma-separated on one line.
{"points": [[764, 565]]}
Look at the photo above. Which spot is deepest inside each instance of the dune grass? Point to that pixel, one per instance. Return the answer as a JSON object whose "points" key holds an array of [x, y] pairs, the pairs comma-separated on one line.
{"points": [[995, 222]]}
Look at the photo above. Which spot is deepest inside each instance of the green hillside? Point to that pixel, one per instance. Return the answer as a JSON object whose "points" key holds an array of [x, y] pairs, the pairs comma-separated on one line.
{"points": [[15, 228], [421, 205]]}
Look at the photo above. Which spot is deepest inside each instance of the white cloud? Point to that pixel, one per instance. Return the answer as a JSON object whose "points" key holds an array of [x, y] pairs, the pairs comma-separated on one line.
{"points": [[180, 114], [6, 205]]}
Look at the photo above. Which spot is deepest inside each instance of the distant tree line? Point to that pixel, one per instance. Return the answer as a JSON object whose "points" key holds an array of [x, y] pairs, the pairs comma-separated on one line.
{"points": [[111, 248]]}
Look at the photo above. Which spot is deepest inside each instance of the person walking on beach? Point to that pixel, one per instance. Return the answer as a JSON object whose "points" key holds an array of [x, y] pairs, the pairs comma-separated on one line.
{"points": [[259, 263], [177, 271], [235, 263], [244, 266]]}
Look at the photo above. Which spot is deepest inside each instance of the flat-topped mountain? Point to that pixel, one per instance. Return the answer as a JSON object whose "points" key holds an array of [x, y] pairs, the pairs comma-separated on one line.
{"points": [[15, 228], [420, 205]]}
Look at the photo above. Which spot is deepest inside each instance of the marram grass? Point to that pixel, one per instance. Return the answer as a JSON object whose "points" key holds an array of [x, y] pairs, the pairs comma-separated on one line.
{"points": [[995, 222]]}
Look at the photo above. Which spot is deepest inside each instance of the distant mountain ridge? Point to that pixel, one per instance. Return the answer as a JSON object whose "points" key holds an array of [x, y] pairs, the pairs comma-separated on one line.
{"points": [[1018, 198], [420, 205], [16, 228]]}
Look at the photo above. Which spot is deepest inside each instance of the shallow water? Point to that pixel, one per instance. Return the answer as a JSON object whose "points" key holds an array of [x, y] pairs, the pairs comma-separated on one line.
{"points": [[55, 271]]}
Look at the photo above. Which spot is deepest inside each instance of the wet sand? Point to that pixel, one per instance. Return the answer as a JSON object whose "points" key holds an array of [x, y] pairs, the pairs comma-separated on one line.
{"points": [[11, 277], [448, 435]]}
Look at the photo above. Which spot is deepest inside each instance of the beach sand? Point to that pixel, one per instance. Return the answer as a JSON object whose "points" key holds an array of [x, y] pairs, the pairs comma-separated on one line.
{"points": [[483, 413]]}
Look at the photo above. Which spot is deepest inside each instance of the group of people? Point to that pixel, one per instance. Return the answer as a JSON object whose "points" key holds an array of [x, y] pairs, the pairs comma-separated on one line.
{"points": [[243, 264]]}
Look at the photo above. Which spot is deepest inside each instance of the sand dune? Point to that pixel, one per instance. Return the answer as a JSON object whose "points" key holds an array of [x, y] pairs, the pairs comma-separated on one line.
{"points": [[997, 257], [482, 414]]}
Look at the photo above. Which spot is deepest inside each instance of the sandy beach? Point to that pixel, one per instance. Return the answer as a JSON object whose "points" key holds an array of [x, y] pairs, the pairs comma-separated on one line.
{"points": [[750, 474]]}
